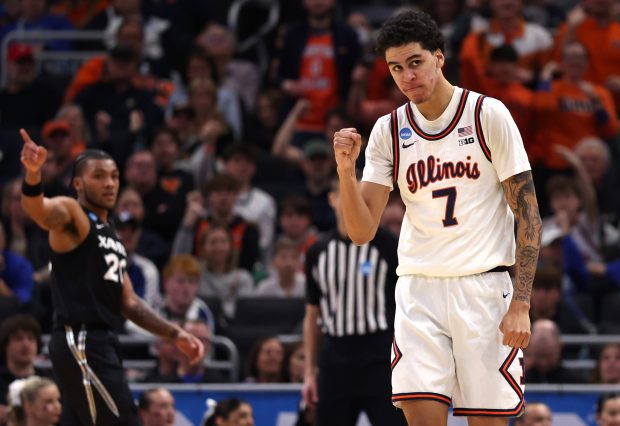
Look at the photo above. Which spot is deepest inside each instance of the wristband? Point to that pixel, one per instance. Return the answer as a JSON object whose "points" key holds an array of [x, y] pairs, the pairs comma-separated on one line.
{"points": [[32, 190]]}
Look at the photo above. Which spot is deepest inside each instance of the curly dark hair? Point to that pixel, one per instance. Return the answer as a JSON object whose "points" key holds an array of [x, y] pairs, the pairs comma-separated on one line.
{"points": [[410, 27], [16, 323]]}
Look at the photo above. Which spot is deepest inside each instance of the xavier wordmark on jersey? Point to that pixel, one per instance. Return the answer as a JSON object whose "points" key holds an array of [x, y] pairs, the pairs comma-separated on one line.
{"points": [[111, 244]]}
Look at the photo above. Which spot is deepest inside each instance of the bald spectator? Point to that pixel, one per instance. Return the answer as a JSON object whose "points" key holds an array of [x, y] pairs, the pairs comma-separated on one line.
{"points": [[545, 352], [156, 407], [597, 161], [535, 414]]}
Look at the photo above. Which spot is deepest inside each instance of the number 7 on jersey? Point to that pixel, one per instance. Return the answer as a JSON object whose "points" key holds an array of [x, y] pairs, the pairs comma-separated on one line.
{"points": [[450, 194]]}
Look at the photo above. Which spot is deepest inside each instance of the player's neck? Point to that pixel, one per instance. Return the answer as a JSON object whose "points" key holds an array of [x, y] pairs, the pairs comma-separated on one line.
{"points": [[102, 213], [438, 101]]}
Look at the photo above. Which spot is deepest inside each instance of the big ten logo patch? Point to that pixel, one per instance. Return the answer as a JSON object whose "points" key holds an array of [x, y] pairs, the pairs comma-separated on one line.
{"points": [[466, 141]]}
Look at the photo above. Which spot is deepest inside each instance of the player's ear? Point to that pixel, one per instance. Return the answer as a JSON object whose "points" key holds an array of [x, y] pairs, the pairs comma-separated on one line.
{"points": [[77, 183], [440, 58]]}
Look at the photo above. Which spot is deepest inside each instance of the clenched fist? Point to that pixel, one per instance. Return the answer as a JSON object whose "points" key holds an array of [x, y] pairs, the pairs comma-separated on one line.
{"points": [[33, 156], [347, 146]]}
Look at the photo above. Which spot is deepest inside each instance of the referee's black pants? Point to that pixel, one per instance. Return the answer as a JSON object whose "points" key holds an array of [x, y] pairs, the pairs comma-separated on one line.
{"points": [[346, 391], [103, 357]]}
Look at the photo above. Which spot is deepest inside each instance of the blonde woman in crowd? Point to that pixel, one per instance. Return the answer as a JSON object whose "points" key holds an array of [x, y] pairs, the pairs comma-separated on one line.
{"points": [[34, 401]]}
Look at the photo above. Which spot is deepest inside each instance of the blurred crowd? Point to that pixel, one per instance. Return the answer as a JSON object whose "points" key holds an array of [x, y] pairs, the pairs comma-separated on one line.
{"points": [[221, 124]]}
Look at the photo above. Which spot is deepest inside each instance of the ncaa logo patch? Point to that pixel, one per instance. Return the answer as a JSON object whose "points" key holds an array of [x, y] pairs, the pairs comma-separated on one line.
{"points": [[405, 133]]}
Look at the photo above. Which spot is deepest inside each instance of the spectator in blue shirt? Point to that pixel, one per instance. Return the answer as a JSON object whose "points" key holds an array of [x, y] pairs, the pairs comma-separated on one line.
{"points": [[35, 16], [16, 273]]}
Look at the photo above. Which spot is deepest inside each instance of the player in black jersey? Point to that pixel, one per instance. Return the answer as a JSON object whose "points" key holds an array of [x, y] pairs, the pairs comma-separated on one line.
{"points": [[91, 291]]}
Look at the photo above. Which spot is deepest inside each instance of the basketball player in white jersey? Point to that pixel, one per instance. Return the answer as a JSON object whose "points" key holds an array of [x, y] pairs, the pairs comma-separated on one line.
{"points": [[459, 161]]}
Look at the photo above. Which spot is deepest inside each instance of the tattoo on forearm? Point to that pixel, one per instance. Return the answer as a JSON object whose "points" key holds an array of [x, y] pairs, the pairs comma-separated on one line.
{"points": [[143, 315], [56, 217], [521, 197]]}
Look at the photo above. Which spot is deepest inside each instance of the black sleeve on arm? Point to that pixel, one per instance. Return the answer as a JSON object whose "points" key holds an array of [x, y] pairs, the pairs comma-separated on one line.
{"points": [[313, 292]]}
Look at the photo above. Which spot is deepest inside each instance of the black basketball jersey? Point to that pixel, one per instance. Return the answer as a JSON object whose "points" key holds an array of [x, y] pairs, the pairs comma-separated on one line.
{"points": [[87, 282]]}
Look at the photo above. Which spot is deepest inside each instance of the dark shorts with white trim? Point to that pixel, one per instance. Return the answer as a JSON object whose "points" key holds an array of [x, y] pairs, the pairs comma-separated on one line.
{"points": [[103, 357]]}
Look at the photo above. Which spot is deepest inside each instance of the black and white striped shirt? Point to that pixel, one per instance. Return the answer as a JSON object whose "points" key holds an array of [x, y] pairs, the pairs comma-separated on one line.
{"points": [[353, 285]]}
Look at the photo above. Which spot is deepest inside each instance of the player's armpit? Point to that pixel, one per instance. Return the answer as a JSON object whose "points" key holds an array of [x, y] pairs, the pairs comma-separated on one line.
{"points": [[521, 196]]}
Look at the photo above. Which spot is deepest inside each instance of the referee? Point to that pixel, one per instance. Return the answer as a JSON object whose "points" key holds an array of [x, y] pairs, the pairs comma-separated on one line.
{"points": [[350, 292]]}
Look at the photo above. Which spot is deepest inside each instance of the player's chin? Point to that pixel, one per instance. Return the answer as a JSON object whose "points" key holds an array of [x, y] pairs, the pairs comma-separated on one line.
{"points": [[417, 97], [107, 204]]}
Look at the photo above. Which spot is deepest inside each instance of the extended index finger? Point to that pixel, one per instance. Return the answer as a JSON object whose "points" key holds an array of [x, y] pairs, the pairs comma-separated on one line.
{"points": [[25, 136]]}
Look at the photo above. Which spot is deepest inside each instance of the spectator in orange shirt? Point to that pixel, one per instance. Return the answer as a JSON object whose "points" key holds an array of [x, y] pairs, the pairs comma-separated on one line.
{"points": [[532, 42], [572, 108], [593, 25], [130, 33], [501, 82]]}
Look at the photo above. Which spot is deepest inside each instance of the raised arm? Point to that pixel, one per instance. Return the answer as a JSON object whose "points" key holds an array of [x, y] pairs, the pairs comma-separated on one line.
{"points": [[59, 215], [282, 147], [136, 309], [521, 196], [362, 203]]}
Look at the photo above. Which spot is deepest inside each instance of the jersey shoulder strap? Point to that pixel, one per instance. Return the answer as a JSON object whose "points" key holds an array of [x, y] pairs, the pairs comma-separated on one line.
{"points": [[479, 133], [395, 147]]}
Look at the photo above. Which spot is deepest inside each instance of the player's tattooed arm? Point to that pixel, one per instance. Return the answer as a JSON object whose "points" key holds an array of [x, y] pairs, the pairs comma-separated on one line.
{"points": [[137, 310], [56, 217], [521, 196]]}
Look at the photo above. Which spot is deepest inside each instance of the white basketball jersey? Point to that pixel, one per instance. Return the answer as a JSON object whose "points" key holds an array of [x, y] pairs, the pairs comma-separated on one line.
{"points": [[449, 172]]}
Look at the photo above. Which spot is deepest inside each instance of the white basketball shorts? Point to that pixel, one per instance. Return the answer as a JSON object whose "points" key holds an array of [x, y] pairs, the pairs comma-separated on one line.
{"points": [[448, 347]]}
